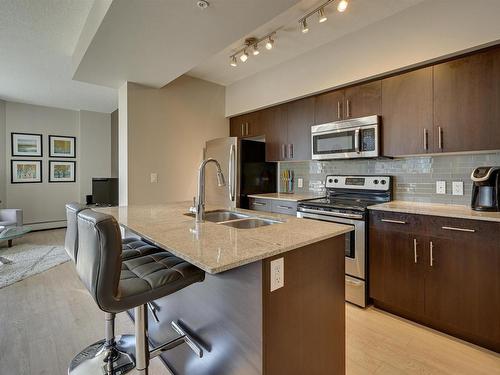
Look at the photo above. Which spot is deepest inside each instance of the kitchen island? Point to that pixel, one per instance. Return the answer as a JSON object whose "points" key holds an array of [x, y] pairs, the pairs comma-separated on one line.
{"points": [[243, 326]]}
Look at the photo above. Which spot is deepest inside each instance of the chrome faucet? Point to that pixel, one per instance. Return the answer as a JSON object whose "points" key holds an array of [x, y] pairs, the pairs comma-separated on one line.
{"points": [[199, 201]]}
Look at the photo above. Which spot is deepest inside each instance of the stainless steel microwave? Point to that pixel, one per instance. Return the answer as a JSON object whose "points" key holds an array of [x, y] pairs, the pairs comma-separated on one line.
{"points": [[353, 138]]}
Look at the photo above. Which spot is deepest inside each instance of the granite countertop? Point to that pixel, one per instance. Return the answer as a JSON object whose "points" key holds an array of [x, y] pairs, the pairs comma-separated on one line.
{"points": [[437, 209], [215, 247], [286, 196]]}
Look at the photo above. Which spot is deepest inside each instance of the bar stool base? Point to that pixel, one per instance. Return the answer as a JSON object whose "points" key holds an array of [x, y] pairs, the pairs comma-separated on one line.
{"points": [[92, 360]]}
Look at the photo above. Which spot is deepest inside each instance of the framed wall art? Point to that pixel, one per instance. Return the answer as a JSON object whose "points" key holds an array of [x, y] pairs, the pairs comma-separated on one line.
{"points": [[62, 171], [26, 144], [62, 146], [25, 171]]}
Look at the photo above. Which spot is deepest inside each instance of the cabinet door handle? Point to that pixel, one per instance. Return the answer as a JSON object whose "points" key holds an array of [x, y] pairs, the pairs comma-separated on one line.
{"points": [[338, 111], [459, 229], [242, 129], [258, 204], [246, 128], [426, 140], [440, 137], [290, 150], [431, 253], [393, 221], [285, 207], [415, 255], [283, 156], [348, 108]]}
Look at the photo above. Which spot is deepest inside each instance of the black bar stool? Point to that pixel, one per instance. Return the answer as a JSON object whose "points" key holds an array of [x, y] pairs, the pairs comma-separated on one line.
{"points": [[117, 286]]}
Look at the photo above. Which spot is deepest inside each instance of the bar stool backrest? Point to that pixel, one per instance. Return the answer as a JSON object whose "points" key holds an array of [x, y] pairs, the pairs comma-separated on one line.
{"points": [[99, 256], [71, 239]]}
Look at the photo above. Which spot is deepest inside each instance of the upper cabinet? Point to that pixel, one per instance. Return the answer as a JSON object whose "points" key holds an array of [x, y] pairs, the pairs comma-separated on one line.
{"points": [[247, 125], [466, 103], [274, 120], [300, 118], [407, 125], [356, 101]]}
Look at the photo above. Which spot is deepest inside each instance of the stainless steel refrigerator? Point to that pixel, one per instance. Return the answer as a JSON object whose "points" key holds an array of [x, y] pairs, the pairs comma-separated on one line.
{"points": [[245, 169]]}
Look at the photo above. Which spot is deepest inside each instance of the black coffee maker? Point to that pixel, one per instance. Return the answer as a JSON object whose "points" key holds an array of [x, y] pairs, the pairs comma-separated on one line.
{"points": [[486, 189]]}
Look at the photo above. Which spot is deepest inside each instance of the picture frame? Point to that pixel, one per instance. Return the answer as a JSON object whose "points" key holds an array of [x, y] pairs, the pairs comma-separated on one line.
{"points": [[61, 146], [62, 171], [25, 171], [26, 144]]}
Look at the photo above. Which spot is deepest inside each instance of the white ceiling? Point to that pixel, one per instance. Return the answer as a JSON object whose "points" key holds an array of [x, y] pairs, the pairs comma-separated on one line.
{"points": [[37, 40], [290, 42], [158, 41]]}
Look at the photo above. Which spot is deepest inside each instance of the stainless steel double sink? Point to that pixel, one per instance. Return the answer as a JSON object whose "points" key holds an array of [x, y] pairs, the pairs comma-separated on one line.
{"points": [[236, 219]]}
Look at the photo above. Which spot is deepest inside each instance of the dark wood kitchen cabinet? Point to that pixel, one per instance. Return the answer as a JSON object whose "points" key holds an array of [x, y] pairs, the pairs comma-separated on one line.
{"points": [[356, 101], [300, 118], [407, 124], [247, 125], [466, 103], [447, 267], [274, 120]]}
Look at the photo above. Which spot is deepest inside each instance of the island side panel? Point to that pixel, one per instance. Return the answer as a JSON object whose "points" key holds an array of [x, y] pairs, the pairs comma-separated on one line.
{"points": [[225, 313], [304, 321]]}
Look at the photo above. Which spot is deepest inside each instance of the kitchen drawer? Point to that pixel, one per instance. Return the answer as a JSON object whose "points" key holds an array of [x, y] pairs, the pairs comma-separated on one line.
{"points": [[258, 204], [394, 221], [285, 207]]}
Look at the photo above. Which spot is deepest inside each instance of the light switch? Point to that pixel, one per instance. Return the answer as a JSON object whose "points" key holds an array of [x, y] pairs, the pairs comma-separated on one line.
{"points": [[154, 178], [440, 187], [458, 187], [277, 274], [300, 182]]}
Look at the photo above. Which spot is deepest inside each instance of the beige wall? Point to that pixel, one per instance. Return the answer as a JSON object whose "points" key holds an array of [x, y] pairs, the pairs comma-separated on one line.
{"points": [[114, 144], [167, 130], [424, 32], [43, 203], [3, 144]]}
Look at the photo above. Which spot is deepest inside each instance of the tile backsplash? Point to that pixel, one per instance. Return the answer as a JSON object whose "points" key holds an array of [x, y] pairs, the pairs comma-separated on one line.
{"points": [[414, 177]]}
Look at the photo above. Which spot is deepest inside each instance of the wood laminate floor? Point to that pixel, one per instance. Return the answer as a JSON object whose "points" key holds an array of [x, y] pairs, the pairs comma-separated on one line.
{"points": [[46, 319]]}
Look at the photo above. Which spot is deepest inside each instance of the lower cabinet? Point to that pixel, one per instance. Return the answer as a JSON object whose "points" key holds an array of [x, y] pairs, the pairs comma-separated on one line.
{"points": [[442, 272], [273, 205]]}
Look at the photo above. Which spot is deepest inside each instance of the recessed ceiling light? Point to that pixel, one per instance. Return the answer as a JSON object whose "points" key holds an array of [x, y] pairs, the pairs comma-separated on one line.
{"points": [[342, 5], [305, 28], [203, 4], [321, 15], [233, 62]]}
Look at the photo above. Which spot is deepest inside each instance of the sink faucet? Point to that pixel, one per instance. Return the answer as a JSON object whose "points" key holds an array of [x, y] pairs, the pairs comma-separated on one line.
{"points": [[199, 201]]}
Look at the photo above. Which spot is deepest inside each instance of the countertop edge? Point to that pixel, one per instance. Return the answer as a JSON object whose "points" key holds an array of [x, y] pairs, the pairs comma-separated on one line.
{"points": [[433, 212], [228, 267], [286, 198]]}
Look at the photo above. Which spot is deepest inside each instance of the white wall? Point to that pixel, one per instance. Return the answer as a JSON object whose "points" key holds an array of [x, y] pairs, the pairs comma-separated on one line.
{"points": [[43, 203], [95, 149], [123, 145], [167, 129], [424, 32], [114, 144], [3, 177]]}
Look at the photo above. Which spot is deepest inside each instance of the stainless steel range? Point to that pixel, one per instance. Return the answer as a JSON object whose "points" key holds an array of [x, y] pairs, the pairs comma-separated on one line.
{"points": [[346, 203]]}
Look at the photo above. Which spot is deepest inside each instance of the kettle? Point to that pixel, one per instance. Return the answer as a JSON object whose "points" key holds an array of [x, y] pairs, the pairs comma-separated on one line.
{"points": [[486, 189]]}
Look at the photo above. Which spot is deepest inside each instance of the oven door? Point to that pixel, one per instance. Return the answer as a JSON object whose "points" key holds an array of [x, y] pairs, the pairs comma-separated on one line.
{"points": [[354, 241]]}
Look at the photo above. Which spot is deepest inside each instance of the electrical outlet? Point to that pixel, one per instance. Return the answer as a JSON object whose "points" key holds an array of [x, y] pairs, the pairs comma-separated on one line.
{"points": [[300, 182], [458, 187], [440, 187], [154, 178], [277, 274]]}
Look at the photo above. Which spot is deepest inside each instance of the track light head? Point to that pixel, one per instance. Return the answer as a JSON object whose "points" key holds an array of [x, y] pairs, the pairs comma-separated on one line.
{"points": [[270, 43], [244, 56], [255, 51], [321, 15], [304, 26], [233, 61], [342, 5]]}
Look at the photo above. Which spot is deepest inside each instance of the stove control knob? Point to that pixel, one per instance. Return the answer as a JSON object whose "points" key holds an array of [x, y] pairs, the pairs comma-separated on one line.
{"points": [[336, 180], [383, 182], [375, 182], [330, 180]]}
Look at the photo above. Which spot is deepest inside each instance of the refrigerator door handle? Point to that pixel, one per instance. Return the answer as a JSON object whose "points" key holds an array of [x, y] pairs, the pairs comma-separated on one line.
{"points": [[231, 173]]}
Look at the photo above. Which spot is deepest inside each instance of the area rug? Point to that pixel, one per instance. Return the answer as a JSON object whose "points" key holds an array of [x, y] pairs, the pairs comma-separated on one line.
{"points": [[25, 260]]}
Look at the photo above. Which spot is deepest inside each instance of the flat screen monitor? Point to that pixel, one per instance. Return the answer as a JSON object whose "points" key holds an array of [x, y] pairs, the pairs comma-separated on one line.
{"points": [[105, 191]]}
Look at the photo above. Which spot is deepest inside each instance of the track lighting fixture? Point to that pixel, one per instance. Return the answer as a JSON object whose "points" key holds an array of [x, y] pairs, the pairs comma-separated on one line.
{"points": [[305, 28], [342, 5], [233, 62], [244, 56], [255, 51], [322, 16], [270, 43]]}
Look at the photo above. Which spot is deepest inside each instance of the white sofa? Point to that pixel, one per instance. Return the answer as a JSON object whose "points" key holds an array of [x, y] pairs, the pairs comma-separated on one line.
{"points": [[11, 217]]}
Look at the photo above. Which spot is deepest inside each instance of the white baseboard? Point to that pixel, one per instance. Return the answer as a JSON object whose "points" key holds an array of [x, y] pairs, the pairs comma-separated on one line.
{"points": [[48, 225]]}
